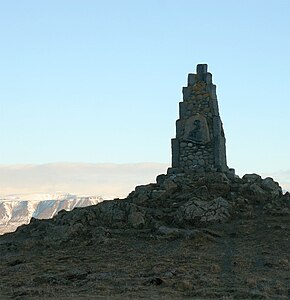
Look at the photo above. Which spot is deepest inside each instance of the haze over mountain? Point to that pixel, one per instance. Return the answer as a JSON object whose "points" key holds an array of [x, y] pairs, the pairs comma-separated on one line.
{"points": [[40, 191], [108, 180]]}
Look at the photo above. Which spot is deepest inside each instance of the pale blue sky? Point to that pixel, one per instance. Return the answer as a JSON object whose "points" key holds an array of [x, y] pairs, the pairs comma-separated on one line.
{"points": [[100, 81]]}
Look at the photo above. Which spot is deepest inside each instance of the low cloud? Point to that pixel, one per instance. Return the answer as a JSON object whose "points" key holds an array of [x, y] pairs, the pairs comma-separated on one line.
{"points": [[81, 178]]}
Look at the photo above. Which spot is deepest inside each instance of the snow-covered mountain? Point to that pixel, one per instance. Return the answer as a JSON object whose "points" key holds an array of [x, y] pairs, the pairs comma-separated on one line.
{"points": [[16, 210]]}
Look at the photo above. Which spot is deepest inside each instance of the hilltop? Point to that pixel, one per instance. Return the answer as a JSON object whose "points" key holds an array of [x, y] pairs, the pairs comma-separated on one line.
{"points": [[188, 236], [198, 232]]}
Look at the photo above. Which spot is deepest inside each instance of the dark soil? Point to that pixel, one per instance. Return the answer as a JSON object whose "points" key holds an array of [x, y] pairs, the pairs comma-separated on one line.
{"points": [[242, 259]]}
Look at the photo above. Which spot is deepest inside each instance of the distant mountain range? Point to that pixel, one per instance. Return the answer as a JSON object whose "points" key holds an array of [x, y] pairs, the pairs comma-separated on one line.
{"points": [[16, 210]]}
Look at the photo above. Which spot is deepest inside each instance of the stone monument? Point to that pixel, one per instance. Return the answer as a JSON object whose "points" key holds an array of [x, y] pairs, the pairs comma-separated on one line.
{"points": [[199, 145]]}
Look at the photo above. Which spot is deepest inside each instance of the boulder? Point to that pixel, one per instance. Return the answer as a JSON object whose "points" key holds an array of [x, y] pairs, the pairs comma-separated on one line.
{"points": [[202, 212], [253, 192], [202, 192], [269, 184], [252, 177], [169, 185], [142, 193], [136, 219]]}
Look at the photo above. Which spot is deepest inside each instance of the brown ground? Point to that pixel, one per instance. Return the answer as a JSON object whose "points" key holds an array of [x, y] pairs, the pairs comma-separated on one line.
{"points": [[244, 259]]}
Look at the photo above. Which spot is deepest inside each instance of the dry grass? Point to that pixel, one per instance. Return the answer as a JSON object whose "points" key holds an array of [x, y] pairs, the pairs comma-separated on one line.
{"points": [[136, 265]]}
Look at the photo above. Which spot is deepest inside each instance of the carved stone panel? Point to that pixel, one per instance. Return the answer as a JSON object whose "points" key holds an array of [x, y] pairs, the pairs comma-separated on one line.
{"points": [[196, 130]]}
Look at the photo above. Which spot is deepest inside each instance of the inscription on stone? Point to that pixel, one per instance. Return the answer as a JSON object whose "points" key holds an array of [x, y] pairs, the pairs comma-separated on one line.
{"points": [[196, 130]]}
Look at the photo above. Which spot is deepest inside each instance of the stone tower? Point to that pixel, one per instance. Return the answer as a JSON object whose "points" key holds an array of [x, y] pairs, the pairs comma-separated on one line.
{"points": [[199, 145]]}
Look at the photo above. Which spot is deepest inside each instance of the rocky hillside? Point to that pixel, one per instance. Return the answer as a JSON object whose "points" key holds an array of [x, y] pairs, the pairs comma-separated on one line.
{"points": [[195, 236], [16, 210]]}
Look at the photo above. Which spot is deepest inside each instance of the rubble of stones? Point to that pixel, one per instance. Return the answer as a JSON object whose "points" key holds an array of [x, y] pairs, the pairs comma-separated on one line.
{"points": [[175, 204]]}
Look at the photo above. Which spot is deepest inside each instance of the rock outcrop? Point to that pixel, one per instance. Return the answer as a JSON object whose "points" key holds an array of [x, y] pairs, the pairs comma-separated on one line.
{"points": [[175, 201]]}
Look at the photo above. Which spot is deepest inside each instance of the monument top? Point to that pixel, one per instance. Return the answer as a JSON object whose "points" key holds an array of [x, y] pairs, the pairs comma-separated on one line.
{"points": [[201, 68]]}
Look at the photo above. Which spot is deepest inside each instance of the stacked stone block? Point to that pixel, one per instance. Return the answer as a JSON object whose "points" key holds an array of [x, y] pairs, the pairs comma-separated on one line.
{"points": [[200, 142]]}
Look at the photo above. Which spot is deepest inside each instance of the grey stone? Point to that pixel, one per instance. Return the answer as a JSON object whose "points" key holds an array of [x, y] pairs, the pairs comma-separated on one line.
{"points": [[185, 92], [270, 185], [201, 68], [215, 108], [142, 193], [157, 193], [189, 162], [191, 79], [175, 153], [164, 230], [179, 128], [173, 171], [197, 211], [201, 71], [182, 110], [135, 218], [254, 192], [201, 162], [216, 126], [169, 185], [160, 179], [208, 78], [202, 192], [213, 92], [252, 177]]}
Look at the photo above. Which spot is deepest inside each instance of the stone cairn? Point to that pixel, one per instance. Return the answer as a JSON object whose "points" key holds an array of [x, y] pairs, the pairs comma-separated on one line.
{"points": [[199, 145]]}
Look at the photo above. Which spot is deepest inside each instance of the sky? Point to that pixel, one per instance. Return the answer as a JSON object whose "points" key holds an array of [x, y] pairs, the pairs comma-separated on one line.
{"points": [[96, 82]]}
